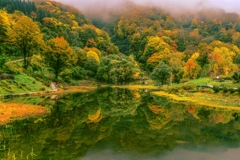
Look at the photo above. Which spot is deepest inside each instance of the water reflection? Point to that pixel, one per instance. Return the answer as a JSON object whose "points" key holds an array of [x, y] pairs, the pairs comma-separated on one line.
{"points": [[176, 154], [121, 124]]}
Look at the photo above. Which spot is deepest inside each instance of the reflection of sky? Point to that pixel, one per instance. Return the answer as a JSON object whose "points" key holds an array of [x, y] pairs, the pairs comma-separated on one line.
{"points": [[177, 154], [228, 5]]}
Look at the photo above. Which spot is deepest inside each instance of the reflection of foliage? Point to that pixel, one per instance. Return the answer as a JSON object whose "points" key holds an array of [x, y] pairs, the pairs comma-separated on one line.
{"points": [[203, 114], [142, 124]]}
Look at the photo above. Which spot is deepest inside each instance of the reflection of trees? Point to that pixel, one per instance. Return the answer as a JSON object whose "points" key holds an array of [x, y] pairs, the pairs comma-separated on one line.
{"points": [[126, 120], [117, 102]]}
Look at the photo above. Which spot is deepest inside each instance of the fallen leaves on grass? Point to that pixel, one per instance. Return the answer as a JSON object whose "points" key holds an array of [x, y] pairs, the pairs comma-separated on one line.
{"points": [[12, 112]]}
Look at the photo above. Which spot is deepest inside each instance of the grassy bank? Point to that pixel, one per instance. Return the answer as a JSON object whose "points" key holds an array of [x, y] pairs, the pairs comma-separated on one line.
{"points": [[220, 100], [21, 84], [190, 92]]}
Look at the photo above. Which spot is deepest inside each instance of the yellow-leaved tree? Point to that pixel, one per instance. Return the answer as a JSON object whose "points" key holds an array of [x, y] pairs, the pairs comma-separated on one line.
{"points": [[4, 26], [92, 63], [27, 36], [223, 61], [59, 55]]}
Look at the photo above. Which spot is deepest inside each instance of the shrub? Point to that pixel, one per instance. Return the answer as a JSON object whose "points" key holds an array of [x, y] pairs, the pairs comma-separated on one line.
{"points": [[173, 89], [236, 77], [225, 89], [78, 73], [238, 90], [231, 90], [42, 89], [6, 76], [66, 75], [216, 88], [188, 87], [184, 80]]}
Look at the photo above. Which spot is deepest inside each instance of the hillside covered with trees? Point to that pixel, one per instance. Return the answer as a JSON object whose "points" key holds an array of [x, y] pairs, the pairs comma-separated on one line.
{"points": [[57, 42]]}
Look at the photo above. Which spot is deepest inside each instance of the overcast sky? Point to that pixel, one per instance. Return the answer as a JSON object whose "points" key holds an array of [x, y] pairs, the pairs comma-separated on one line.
{"points": [[227, 5]]}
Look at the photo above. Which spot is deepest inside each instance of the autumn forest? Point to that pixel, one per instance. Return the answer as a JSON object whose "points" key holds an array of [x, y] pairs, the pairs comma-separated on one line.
{"points": [[57, 42]]}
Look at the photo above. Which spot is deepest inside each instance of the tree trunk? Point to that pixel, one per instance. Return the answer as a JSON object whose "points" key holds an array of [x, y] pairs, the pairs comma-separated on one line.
{"points": [[171, 79], [24, 59]]}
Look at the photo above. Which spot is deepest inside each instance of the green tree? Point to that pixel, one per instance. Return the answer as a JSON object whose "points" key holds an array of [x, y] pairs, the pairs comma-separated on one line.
{"points": [[236, 76], [27, 37], [104, 70], [161, 73], [123, 69], [58, 55], [92, 63]]}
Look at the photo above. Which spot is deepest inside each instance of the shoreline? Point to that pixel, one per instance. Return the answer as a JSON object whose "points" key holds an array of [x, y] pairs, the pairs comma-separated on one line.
{"points": [[12, 112], [72, 89], [213, 102]]}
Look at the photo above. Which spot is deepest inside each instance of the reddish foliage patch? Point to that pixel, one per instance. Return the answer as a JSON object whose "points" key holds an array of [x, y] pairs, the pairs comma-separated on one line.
{"points": [[11, 112], [191, 109]]}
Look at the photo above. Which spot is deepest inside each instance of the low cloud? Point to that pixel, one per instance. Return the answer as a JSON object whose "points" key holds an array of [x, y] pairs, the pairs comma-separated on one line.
{"points": [[103, 8]]}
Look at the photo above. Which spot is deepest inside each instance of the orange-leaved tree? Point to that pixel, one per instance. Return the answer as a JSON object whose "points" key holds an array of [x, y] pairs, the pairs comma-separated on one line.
{"points": [[191, 68]]}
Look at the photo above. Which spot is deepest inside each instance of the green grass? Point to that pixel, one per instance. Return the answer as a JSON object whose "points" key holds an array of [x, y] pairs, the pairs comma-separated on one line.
{"points": [[200, 81], [226, 83], [35, 100], [21, 84]]}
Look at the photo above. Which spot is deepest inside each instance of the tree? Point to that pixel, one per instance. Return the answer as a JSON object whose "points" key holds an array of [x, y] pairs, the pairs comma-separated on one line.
{"points": [[213, 59], [221, 61], [191, 69], [123, 69], [4, 26], [236, 77], [92, 63], [237, 60], [4, 33], [27, 37], [58, 55], [161, 73], [104, 70]]}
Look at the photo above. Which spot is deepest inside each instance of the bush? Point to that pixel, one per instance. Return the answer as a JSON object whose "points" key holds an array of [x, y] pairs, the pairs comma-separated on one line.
{"points": [[173, 89], [231, 90], [227, 78], [225, 89], [78, 73], [184, 80], [66, 75], [42, 89], [236, 77], [216, 88], [238, 90], [188, 87], [6, 76]]}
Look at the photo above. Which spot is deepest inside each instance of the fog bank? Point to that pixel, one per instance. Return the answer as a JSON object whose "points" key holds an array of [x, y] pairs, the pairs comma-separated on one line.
{"points": [[103, 8]]}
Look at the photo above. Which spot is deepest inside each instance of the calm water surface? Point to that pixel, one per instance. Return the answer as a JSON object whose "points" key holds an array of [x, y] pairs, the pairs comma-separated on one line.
{"points": [[120, 124]]}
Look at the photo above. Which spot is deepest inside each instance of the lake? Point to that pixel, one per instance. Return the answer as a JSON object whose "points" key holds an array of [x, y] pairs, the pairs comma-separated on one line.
{"points": [[121, 124]]}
